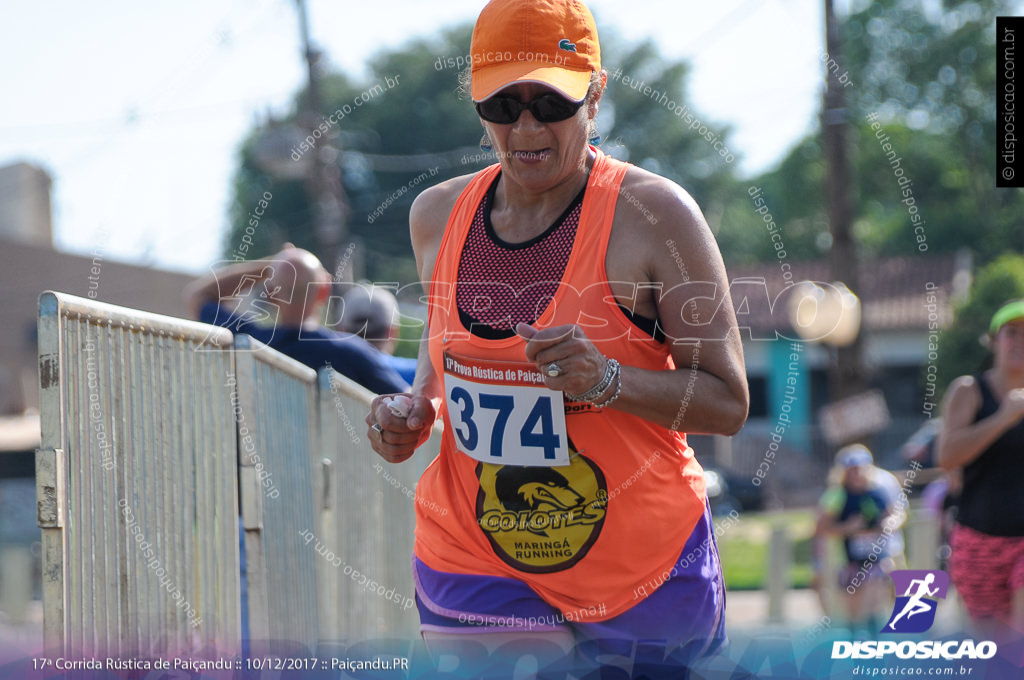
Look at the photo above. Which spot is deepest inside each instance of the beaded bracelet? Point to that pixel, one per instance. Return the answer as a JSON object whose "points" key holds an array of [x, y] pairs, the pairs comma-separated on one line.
{"points": [[610, 368]]}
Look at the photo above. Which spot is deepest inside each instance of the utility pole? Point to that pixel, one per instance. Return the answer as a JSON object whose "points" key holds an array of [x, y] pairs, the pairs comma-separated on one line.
{"points": [[846, 376], [330, 207]]}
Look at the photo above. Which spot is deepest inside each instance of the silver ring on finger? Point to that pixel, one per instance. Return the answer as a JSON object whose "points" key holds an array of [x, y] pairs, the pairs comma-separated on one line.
{"points": [[553, 370], [378, 431]]}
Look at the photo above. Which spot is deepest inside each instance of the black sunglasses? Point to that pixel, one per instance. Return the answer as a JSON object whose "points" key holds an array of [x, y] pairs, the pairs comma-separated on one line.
{"points": [[547, 108]]}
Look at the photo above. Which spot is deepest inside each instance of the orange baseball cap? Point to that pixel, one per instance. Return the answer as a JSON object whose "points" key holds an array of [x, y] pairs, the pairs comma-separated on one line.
{"points": [[549, 42]]}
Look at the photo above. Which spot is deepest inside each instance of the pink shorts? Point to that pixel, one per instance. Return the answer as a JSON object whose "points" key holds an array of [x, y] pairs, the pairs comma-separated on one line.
{"points": [[986, 570]]}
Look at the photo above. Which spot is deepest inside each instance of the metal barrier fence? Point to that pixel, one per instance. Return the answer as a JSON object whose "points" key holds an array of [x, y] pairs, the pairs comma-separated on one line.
{"points": [[274, 403], [145, 442], [368, 522], [136, 483]]}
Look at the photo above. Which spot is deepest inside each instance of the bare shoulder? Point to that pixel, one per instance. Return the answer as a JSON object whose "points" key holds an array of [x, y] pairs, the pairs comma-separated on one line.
{"points": [[432, 206], [964, 386], [428, 218], [962, 401], [655, 216], [666, 207]]}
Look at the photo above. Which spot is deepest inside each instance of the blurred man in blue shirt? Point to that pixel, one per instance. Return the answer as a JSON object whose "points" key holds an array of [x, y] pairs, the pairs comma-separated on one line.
{"points": [[371, 312], [279, 302]]}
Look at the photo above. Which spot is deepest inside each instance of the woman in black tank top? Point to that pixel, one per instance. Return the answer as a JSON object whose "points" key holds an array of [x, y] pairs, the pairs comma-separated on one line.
{"points": [[983, 436]]}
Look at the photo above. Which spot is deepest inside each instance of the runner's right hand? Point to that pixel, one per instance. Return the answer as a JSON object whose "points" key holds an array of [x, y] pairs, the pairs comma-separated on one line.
{"points": [[399, 435], [1012, 407]]}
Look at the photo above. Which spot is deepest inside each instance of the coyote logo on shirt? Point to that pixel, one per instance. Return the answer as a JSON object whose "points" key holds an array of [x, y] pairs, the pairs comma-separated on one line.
{"points": [[541, 519], [525, 488]]}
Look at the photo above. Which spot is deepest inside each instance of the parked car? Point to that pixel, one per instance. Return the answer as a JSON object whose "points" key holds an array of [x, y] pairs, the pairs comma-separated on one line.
{"points": [[728, 491]]}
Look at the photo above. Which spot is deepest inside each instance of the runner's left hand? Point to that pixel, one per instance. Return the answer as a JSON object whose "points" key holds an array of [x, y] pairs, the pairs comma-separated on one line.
{"points": [[581, 363]]}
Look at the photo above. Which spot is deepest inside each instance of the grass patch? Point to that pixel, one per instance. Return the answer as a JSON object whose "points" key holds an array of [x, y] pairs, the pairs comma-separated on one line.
{"points": [[410, 333], [744, 563], [744, 548]]}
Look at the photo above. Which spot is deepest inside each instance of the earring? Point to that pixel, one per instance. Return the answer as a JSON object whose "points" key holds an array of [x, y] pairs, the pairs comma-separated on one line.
{"points": [[594, 139], [485, 144]]}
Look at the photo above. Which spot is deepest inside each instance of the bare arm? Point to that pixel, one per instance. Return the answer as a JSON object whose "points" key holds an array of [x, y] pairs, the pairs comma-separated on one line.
{"points": [[687, 291], [400, 437], [709, 386], [961, 440], [426, 383], [428, 218]]}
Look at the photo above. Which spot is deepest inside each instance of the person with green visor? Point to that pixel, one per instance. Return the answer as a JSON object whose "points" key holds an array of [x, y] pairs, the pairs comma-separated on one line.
{"points": [[983, 433]]}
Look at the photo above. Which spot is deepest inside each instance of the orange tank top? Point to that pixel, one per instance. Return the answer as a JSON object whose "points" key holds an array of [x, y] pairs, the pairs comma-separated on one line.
{"points": [[582, 504]]}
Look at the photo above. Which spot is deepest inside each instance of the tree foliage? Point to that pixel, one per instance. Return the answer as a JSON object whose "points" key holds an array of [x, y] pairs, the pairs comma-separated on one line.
{"points": [[387, 141], [794, 197], [421, 132], [926, 74], [658, 129], [961, 348], [929, 74]]}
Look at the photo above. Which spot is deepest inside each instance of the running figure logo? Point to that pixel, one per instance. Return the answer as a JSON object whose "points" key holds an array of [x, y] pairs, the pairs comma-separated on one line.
{"points": [[914, 611]]}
